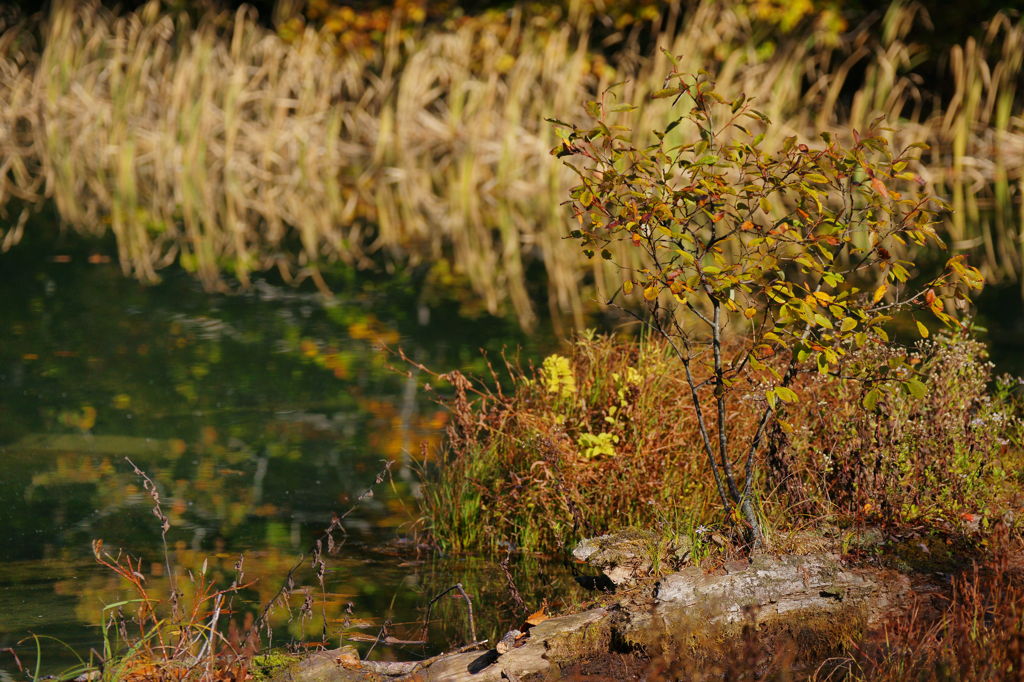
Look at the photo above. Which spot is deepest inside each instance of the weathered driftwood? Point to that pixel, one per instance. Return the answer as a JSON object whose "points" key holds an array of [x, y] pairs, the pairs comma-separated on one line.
{"points": [[767, 589], [793, 589]]}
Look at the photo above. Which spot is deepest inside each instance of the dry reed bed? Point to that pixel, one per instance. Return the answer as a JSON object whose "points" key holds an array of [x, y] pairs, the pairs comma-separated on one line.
{"points": [[224, 147]]}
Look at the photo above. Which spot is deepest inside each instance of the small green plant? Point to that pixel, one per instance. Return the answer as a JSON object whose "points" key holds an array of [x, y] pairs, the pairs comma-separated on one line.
{"points": [[750, 254]]}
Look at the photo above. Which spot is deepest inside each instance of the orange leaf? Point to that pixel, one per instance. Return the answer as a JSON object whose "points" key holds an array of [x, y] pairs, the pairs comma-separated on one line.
{"points": [[537, 617], [879, 187], [347, 658]]}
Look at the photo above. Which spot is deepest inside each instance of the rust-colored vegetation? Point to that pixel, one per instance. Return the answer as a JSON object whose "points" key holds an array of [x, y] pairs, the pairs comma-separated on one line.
{"points": [[604, 437]]}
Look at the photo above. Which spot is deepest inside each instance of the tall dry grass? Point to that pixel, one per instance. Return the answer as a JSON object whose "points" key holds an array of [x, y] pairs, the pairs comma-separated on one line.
{"points": [[228, 149]]}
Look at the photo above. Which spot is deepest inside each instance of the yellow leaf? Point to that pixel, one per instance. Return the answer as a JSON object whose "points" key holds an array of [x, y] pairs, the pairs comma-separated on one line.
{"points": [[879, 293], [922, 330], [627, 287], [651, 293], [749, 313]]}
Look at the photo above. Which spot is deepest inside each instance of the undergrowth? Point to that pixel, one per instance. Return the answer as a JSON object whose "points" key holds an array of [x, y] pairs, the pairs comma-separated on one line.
{"points": [[605, 437], [974, 633]]}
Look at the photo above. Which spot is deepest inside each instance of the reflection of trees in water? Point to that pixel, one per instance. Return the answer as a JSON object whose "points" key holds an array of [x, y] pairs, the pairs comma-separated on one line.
{"points": [[236, 416], [257, 415]]}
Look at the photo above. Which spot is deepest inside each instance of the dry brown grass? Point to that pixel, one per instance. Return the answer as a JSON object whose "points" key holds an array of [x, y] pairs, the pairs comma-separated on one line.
{"points": [[972, 633], [223, 147]]}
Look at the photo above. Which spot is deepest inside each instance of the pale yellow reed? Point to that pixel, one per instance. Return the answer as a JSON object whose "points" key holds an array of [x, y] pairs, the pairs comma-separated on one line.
{"points": [[224, 147]]}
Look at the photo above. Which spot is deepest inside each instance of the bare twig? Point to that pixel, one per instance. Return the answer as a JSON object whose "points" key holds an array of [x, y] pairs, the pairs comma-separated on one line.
{"points": [[17, 661], [469, 607], [165, 525], [512, 589]]}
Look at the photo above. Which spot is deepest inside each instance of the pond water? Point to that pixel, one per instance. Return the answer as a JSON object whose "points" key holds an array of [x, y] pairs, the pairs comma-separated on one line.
{"points": [[258, 416]]}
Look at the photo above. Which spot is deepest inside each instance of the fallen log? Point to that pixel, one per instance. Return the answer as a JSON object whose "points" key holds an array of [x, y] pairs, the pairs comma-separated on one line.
{"points": [[812, 595]]}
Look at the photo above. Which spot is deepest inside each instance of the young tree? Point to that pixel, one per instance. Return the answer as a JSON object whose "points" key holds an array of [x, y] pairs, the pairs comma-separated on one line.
{"points": [[799, 253]]}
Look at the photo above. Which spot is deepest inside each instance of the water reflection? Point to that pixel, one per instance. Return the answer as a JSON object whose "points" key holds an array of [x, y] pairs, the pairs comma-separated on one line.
{"points": [[258, 415]]}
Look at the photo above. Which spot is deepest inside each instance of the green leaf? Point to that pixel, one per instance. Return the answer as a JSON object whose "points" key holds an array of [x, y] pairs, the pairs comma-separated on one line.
{"points": [[916, 388], [786, 394], [871, 399]]}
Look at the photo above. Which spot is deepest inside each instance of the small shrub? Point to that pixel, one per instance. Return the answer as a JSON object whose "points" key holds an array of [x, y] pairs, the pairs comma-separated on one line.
{"points": [[946, 455], [797, 253]]}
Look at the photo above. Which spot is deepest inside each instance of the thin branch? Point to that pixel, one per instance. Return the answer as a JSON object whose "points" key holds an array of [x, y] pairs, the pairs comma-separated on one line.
{"points": [[469, 606], [723, 439], [702, 427], [748, 476]]}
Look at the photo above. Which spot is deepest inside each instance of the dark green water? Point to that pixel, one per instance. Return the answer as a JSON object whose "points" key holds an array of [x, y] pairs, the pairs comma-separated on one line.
{"points": [[258, 415]]}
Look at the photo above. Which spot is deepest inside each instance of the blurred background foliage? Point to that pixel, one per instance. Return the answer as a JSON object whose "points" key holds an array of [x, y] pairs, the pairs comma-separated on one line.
{"points": [[412, 135]]}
